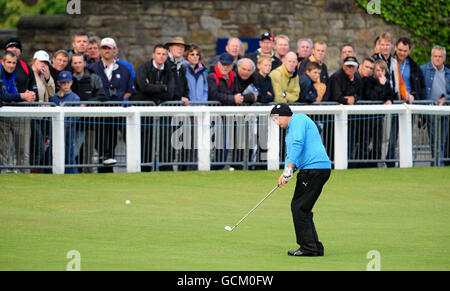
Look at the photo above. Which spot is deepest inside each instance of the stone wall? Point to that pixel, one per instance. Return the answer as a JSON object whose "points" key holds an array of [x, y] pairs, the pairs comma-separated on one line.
{"points": [[138, 25]]}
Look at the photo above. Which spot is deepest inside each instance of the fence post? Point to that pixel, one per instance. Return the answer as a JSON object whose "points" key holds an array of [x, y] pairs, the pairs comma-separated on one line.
{"points": [[341, 140], [273, 145], [405, 138], [133, 142], [203, 140], [58, 143]]}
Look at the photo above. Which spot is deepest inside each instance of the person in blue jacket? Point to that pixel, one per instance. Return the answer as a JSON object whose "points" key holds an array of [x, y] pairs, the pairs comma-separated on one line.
{"points": [[437, 89], [306, 153], [196, 74]]}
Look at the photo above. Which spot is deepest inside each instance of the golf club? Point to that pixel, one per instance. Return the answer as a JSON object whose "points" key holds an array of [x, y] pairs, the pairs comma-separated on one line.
{"points": [[228, 228]]}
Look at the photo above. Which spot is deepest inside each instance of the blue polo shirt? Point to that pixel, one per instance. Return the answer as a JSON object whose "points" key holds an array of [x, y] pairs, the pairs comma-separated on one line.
{"points": [[405, 70], [305, 149]]}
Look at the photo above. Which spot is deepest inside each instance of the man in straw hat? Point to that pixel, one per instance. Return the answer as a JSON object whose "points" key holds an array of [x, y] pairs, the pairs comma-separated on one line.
{"points": [[176, 47]]}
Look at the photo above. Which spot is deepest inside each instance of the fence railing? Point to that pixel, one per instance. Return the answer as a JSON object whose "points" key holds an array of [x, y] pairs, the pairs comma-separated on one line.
{"points": [[144, 136]]}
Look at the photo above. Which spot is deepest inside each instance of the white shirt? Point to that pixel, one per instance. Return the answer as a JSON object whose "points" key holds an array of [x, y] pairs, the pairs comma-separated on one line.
{"points": [[109, 70]]}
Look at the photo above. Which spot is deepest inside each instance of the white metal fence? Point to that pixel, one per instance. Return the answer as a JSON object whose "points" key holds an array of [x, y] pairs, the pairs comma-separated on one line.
{"points": [[204, 132]]}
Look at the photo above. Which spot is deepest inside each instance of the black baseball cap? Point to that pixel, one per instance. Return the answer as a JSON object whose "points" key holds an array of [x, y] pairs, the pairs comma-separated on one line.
{"points": [[14, 42], [281, 109], [266, 35]]}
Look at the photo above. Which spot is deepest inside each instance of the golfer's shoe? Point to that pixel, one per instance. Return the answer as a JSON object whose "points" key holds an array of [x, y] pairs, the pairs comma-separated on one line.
{"points": [[299, 253], [109, 162]]}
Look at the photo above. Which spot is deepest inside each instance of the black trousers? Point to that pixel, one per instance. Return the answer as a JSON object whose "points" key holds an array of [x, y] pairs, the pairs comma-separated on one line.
{"points": [[307, 190]]}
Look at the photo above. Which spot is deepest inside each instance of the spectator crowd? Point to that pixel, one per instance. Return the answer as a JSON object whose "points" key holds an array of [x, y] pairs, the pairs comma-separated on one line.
{"points": [[92, 71]]}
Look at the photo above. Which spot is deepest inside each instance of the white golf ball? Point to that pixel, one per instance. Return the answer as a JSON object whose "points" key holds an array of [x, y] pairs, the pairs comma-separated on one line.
{"points": [[231, 169], [127, 202]]}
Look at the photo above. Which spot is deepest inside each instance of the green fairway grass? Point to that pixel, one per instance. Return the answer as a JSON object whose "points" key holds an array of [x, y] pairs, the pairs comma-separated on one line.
{"points": [[176, 220]]}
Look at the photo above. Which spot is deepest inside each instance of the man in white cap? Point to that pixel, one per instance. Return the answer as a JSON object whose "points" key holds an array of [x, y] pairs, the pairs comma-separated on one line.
{"points": [[118, 86], [44, 81], [46, 88]]}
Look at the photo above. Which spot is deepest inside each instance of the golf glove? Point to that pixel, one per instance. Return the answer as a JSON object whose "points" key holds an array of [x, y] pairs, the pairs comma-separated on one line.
{"points": [[287, 174]]}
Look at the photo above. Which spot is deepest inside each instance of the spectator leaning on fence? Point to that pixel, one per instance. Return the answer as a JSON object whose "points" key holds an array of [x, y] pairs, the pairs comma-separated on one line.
{"points": [[40, 128], [393, 75], [437, 80], [437, 76], [25, 77], [222, 82], [176, 47], [263, 82], [409, 70], [285, 80], [19, 127], [309, 92], [196, 74], [154, 78], [44, 81], [245, 80], [365, 69], [374, 88], [22, 80], [345, 86]]}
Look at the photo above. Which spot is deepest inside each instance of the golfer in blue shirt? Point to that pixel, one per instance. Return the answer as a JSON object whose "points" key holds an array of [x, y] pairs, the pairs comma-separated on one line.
{"points": [[306, 153]]}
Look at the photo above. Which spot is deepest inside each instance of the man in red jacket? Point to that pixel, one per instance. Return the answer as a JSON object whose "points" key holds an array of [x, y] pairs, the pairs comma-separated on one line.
{"points": [[222, 82]]}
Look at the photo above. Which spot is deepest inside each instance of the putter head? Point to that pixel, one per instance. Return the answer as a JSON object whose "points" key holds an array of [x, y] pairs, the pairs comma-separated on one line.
{"points": [[228, 228]]}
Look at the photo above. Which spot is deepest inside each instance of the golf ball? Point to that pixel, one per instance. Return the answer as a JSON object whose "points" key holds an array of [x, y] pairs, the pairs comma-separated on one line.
{"points": [[127, 202]]}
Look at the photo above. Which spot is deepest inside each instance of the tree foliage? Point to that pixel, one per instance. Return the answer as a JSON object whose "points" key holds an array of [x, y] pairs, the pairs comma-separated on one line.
{"points": [[426, 20], [11, 10]]}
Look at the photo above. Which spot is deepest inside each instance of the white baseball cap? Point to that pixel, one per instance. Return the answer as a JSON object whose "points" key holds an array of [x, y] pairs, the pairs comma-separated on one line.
{"points": [[42, 56], [109, 42]]}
